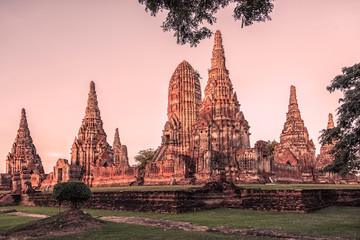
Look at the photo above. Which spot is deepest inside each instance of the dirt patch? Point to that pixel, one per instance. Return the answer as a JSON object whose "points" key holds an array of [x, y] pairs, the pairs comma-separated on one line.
{"points": [[68, 222], [186, 226]]}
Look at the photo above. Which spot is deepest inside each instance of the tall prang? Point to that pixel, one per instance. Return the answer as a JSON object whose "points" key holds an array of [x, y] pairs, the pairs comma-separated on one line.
{"points": [[23, 154], [184, 97], [221, 129], [93, 160], [90, 149], [325, 157], [295, 154]]}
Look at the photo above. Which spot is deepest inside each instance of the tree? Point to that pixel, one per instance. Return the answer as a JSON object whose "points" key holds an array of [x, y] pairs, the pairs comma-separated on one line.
{"points": [[143, 158], [186, 17], [272, 144], [74, 192], [347, 132]]}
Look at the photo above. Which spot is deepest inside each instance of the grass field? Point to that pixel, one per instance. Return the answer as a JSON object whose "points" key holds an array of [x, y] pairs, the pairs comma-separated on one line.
{"points": [[330, 222], [300, 186], [262, 186]]}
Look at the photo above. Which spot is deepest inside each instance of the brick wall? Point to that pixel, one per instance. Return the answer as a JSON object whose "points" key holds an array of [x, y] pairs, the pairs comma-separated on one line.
{"points": [[301, 201]]}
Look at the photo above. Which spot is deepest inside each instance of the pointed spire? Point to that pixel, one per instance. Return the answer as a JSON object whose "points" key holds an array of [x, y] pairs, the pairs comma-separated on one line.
{"points": [[92, 109], [293, 99], [330, 122], [117, 142], [23, 120], [293, 109], [218, 55], [23, 131]]}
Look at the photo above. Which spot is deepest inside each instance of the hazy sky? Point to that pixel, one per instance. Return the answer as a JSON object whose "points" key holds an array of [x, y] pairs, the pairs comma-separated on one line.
{"points": [[51, 50]]}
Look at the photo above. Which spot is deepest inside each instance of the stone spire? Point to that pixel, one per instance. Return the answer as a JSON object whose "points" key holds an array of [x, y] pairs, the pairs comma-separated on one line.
{"points": [[330, 122], [92, 109], [91, 149], [294, 137], [294, 127], [219, 85], [23, 152], [23, 120], [218, 55], [92, 125], [117, 142], [325, 157], [293, 109], [221, 129], [23, 131]]}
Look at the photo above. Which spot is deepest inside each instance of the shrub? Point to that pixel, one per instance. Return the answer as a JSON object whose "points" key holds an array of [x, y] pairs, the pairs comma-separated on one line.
{"points": [[74, 192]]}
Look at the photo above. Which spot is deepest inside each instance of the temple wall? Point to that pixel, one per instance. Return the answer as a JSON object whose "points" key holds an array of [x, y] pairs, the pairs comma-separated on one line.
{"points": [[299, 201]]}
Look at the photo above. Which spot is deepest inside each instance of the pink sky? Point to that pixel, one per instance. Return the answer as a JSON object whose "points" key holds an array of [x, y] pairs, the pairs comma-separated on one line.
{"points": [[51, 50]]}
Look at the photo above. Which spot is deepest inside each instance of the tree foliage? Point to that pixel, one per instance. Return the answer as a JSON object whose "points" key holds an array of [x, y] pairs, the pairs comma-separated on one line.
{"points": [[272, 144], [74, 192], [186, 17], [143, 158], [347, 131]]}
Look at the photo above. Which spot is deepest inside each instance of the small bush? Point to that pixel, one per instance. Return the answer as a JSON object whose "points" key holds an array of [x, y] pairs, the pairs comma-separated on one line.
{"points": [[74, 192]]}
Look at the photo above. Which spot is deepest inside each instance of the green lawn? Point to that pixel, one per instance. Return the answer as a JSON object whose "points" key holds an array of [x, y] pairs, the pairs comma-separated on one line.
{"points": [[262, 186], [8, 221], [300, 186], [134, 232], [334, 221]]}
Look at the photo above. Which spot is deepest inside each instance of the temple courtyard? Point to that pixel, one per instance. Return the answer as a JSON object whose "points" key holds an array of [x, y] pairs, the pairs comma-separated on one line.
{"points": [[330, 223]]}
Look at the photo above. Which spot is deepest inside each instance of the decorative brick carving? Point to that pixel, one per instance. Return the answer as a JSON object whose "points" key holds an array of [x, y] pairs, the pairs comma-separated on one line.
{"points": [[325, 157], [23, 154], [295, 154]]}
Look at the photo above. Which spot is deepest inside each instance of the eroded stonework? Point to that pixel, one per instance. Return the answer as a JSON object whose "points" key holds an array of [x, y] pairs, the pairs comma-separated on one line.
{"points": [[93, 160], [221, 129], [294, 156], [23, 154], [325, 157], [171, 160], [206, 140]]}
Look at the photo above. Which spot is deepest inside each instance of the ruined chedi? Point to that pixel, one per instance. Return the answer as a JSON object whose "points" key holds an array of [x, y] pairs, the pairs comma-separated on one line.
{"points": [[221, 129], [184, 97], [295, 154], [23, 154], [91, 154], [120, 151], [325, 157]]}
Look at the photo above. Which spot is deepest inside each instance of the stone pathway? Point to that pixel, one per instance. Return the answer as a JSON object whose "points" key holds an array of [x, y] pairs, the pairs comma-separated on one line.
{"points": [[187, 226], [24, 214]]}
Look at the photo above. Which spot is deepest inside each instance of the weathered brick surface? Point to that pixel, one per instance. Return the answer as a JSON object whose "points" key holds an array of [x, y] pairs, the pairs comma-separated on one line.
{"points": [[23, 154], [301, 201], [325, 157], [294, 156]]}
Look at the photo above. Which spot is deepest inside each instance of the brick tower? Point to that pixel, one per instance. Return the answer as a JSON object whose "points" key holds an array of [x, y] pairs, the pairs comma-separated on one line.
{"points": [[90, 149], [325, 157], [294, 156], [221, 129], [170, 161], [23, 154]]}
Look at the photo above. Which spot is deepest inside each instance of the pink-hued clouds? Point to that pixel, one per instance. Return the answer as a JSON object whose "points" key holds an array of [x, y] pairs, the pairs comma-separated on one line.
{"points": [[51, 50]]}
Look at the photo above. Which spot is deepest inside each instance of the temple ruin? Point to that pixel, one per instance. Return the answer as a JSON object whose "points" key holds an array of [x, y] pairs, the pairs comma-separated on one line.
{"points": [[325, 157], [93, 160], [294, 156], [205, 140], [23, 156]]}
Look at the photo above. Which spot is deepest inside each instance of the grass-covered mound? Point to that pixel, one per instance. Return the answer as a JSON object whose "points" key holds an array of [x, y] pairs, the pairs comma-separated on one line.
{"points": [[68, 222]]}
